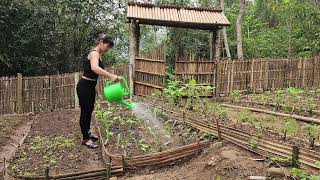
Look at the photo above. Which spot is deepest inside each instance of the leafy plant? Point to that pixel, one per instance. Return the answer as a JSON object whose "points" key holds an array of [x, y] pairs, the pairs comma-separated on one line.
{"points": [[245, 116], [298, 173], [145, 147], [291, 127], [253, 143], [314, 132], [235, 94], [281, 161]]}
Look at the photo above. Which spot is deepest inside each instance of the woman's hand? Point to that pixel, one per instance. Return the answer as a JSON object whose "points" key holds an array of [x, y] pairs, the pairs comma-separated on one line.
{"points": [[115, 78]]}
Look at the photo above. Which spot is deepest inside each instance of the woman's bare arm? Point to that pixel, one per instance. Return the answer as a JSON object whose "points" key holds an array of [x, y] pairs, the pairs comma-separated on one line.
{"points": [[94, 62]]}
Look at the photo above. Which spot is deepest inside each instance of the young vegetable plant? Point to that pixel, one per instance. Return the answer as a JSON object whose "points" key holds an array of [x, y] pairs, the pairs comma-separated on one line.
{"points": [[245, 116], [291, 127], [235, 95], [314, 132]]}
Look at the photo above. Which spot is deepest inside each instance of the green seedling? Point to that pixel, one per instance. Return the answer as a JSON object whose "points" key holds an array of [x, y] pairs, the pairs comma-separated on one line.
{"points": [[314, 132], [235, 95], [131, 122], [253, 143], [291, 127], [277, 161], [145, 147], [245, 116]]}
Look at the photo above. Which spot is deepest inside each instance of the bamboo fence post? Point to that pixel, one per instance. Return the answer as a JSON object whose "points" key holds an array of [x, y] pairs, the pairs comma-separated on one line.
{"points": [[109, 169], [19, 94], [76, 99], [251, 78], [4, 167], [47, 174], [183, 116], [295, 156], [123, 164], [231, 80], [50, 92], [303, 72], [266, 75], [218, 127]]}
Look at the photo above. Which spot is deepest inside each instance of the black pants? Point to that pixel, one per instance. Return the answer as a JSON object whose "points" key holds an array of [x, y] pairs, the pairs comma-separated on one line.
{"points": [[87, 94]]}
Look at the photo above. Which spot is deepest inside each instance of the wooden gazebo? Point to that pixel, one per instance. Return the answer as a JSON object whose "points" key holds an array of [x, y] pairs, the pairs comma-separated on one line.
{"points": [[171, 16]]}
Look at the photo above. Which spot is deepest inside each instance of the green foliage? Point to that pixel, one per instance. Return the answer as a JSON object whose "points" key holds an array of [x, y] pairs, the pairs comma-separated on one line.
{"points": [[313, 131], [281, 161], [246, 116], [291, 127], [235, 94], [298, 173], [253, 143]]}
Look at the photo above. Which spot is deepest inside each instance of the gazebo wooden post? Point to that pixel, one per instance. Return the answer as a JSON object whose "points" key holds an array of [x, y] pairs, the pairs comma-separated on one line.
{"points": [[212, 43], [133, 50]]}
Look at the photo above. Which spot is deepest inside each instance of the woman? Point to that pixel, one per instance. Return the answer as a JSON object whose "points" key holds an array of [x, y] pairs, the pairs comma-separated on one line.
{"points": [[92, 68]]}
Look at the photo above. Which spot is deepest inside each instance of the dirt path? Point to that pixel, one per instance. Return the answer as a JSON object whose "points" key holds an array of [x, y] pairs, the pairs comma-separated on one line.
{"points": [[221, 160]]}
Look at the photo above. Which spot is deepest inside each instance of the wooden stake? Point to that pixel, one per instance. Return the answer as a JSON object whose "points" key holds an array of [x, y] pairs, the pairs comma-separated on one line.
{"points": [[295, 156], [218, 127], [4, 167], [123, 164], [19, 94], [47, 173]]}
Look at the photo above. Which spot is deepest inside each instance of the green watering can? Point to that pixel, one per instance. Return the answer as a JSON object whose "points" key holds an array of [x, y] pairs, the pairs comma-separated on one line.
{"points": [[115, 92]]}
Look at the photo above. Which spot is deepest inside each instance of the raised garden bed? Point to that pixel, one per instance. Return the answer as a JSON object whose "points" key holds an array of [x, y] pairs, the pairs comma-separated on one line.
{"points": [[146, 138], [290, 100], [248, 137]]}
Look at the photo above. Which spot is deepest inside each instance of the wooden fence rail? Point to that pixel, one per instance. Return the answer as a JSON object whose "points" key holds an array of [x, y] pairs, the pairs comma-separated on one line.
{"points": [[45, 93]]}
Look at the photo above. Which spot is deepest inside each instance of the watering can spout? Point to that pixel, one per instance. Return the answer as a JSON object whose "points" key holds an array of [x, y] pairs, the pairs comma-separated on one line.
{"points": [[130, 105]]}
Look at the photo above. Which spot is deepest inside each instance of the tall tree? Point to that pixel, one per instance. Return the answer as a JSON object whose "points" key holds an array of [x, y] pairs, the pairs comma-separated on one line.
{"points": [[238, 26], [224, 34]]}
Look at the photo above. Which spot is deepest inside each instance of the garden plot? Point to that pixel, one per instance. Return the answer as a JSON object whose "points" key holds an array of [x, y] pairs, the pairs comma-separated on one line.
{"points": [[290, 100], [143, 131], [54, 141]]}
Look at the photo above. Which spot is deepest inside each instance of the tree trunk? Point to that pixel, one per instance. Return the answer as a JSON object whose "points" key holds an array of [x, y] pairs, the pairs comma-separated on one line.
{"points": [[239, 34], [224, 33]]}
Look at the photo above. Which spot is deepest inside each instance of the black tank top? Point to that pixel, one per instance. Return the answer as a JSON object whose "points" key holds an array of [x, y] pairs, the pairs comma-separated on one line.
{"points": [[87, 72]]}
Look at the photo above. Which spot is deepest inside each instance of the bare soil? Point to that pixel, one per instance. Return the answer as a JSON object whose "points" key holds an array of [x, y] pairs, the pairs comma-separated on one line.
{"points": [[222, 160], [55, 141]]}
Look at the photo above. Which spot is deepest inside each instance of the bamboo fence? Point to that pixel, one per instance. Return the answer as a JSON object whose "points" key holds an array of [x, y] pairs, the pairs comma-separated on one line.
{"points": [[150, 72], [45, 93], [249, 75]]}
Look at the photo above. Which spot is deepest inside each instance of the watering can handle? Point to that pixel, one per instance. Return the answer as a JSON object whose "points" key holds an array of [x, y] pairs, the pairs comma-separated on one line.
{"points": [[125, 85]]}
